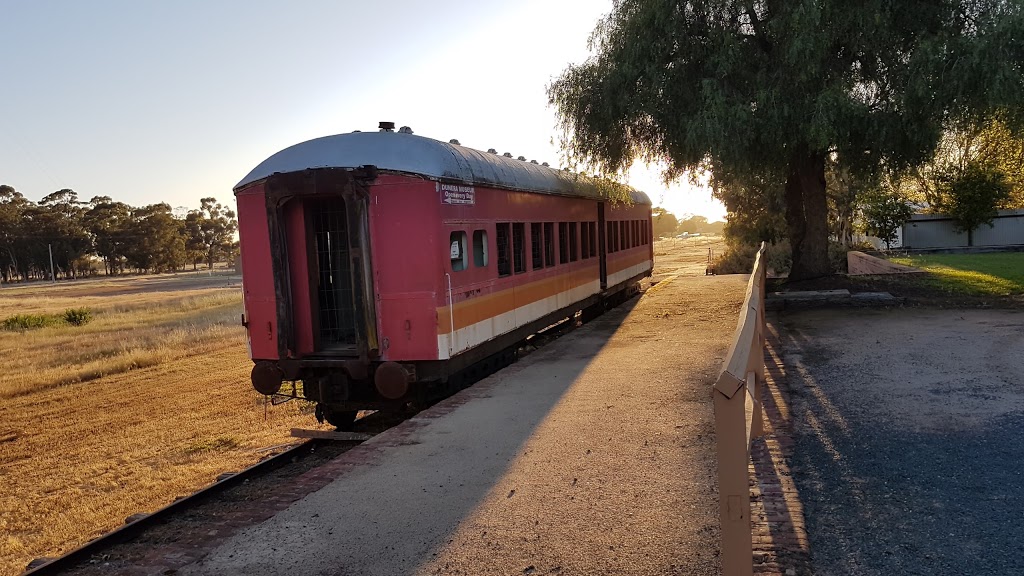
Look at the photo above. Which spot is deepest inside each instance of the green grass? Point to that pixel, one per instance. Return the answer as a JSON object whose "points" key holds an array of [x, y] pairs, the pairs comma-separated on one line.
{"points": [[988, 274]]}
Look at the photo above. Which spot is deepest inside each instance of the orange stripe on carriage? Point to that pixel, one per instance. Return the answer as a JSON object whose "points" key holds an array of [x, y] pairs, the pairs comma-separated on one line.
{"points": [[474, 310]]}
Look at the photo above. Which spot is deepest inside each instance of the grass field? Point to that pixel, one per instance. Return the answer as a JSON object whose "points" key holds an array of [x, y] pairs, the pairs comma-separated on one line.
{"points": [[148, 401], [986, 274]]}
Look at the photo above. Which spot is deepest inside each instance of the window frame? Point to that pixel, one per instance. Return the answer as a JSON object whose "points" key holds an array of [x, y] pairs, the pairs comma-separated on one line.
{"points": [[483, 261], [460, 237]]}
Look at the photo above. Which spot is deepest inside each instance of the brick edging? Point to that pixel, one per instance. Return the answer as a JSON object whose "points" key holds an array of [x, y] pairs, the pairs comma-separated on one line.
{"points": [[781, 546]]}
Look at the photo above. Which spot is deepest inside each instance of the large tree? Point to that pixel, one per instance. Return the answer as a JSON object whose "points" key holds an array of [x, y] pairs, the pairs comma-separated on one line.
{"points": [[972, 195], [60, 229], [665, 223], [210, 229], [767, 90], [12, 208], [109, 223], [159, 239]]}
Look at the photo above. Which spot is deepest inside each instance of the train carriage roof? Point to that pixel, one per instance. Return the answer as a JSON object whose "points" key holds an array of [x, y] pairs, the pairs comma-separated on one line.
{"points": [[411, 154]]}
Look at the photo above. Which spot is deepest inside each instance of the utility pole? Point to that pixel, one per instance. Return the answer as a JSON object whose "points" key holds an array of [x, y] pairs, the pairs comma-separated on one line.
{"points": [[53, 276]]}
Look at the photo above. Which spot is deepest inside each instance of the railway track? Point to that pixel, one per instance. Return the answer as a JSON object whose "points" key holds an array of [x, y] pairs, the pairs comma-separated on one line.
{"points": [[98, 551], [175, 527]]}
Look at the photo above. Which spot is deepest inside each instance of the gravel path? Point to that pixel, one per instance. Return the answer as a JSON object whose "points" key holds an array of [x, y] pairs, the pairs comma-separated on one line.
{"points": [[910, 451]]}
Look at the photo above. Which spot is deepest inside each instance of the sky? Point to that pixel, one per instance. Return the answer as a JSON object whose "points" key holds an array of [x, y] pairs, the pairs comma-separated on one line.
{"points": [[151, 102]]}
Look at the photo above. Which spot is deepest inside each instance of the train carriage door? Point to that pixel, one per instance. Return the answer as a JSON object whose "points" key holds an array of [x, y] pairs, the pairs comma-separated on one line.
{"points": [[602, 260], [344, 321]]}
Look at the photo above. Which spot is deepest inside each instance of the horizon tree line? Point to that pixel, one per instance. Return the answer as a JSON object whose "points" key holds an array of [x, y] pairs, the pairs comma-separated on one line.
{"points": [[123, 238]]}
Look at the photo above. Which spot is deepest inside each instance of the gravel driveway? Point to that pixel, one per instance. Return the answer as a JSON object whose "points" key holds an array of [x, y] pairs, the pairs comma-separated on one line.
{"points": [[909, 453]]}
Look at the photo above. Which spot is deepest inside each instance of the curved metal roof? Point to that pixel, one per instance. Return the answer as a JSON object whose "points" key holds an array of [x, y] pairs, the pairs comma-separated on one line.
{"points": [[411, 154]]}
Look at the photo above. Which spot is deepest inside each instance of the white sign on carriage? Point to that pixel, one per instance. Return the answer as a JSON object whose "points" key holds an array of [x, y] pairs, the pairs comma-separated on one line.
{"points": [[455, 194]]}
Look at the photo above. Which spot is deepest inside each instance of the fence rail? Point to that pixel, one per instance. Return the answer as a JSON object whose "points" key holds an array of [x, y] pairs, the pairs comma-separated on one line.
{"points": [[737, 403]]}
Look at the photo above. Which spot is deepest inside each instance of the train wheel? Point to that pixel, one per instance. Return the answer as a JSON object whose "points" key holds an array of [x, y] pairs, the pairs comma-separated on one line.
{"points": [[340, 419]]}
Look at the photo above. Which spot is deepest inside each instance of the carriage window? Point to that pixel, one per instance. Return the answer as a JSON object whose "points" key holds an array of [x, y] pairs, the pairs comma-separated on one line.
{"points": [[480, 248], [457, 246], [636, 232], [549, 244], [519, 247], [573, 242], [584, 240], [504, 258], [563, 242], [593, 239], [623, 236], [536, 245], [610, 239]]}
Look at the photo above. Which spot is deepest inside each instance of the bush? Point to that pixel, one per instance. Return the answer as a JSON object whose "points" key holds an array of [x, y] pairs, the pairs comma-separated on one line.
{"points": [[77, 316], [72, 316], [740, 259], [28, 321], [778, 259]]}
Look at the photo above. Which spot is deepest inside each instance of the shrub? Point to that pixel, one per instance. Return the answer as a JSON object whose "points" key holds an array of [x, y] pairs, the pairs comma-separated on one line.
{"points": [[778, 259], [77, 316], [72, 316], [28, 321]]}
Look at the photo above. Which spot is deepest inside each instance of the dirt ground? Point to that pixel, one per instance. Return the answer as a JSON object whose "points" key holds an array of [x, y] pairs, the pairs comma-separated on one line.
{"points": [[684, 256], [910, 438], [77, 459]]}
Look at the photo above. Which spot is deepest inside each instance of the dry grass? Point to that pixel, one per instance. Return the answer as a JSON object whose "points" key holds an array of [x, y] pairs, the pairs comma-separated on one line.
{"points": [[148, 402]]}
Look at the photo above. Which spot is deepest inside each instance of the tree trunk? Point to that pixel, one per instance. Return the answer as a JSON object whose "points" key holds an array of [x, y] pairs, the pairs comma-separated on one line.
{"points": [[807, 216]]}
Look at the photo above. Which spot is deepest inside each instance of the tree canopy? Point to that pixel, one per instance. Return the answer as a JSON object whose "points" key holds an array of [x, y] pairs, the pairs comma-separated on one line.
{"points": [[769, 91]]}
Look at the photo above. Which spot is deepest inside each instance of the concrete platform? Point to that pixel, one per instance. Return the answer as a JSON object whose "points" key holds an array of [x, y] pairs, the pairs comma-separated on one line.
{"points": [[593, 455]]}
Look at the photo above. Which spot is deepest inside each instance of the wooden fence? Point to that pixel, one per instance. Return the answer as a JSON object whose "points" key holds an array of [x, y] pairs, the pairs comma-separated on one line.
{"points": [[737, 401]]}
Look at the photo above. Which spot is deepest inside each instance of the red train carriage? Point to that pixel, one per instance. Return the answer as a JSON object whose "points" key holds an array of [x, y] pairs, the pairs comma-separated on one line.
{"points": [[378, 265]]}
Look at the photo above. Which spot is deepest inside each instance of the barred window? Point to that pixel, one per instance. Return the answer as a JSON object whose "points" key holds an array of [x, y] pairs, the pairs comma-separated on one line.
{"points": [[504, 258], [584, 240], [519, 247], [573, 242], [549, 244], [537, 245], [563, 242]]}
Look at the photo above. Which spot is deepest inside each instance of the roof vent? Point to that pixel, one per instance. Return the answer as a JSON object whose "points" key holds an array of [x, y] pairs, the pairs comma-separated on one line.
{"points": [[356, 131], [507, 154], [545, 164], [521, 158], [404, 130], [386, 126], [533, 161], [492, 151], [455, 141]]}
